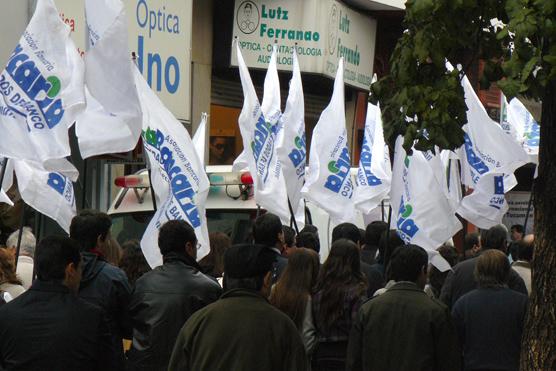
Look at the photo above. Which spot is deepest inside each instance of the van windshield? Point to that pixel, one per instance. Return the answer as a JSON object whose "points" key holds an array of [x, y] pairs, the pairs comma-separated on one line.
{"points": [[235, 223]]}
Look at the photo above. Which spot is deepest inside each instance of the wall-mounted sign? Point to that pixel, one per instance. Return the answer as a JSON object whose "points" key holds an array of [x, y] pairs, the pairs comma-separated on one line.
{"points": [[322, 30], [160, 34]]}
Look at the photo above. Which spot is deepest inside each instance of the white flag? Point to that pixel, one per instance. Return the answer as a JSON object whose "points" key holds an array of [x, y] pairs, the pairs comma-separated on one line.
{"points": [[199, 139], [421, 212], [112, 120], [291, 146], [178, 178], [487, 151], [328, 182], [525, 128], [50, 193], [258, 126], [41, 90], [7, 182], [375, 172]]}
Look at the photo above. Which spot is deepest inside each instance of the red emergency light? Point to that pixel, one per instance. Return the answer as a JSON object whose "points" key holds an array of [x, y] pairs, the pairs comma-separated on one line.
{"points": [[132, 181]]}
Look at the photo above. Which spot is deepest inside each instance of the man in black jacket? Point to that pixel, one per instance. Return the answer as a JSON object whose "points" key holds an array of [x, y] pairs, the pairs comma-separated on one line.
{"points": [[351, 232], [49, 327], [461, 278], [103, 284], [164, 298], [268, 231]]}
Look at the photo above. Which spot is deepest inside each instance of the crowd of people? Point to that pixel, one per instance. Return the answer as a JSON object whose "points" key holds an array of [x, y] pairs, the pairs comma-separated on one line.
{"points": [[84, 302]]}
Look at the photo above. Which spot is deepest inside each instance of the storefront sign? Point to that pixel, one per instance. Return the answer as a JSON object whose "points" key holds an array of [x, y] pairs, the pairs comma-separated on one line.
{"points": [[518, 204], [160, 35], [322, 30]]}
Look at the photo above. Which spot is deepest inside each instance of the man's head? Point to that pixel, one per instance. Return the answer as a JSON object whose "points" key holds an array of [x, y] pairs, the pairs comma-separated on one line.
{"points": [[525, 248], [91, 229], [492, 269], [268, 231], [373, 232], [248, 267], [409, 263], [217, 149], [348, 231], [58, 259], [495, 238], [308, 240], [516, 232], [177, 236], [471, 245], [289, 239], [28, 242]]}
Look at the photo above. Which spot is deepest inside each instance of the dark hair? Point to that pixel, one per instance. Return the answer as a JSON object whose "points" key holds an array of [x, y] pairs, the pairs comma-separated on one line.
{"points": [[266, 229], [7, 268], [213, 263], [308, 240], [470, 240], [373, 232], [340, 272], [492, 269], [436, 277], [173, 235], [495, 238], [389, 241], [407, 263], [348, 231], [525, 250], [133, 262], [310, 228], [88, 226], [513, 250], [53, 255], [248, 283], [289, 235], [292, 290], [518, 228]]}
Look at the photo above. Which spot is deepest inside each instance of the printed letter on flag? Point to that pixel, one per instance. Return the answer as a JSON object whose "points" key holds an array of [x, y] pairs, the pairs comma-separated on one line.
{"points": [[112, 120], [259, 137], [421, 212], [41, 90], [48, 192], [328, 182], [199, 139], [178, 178], [374, 173], [291, 147]]}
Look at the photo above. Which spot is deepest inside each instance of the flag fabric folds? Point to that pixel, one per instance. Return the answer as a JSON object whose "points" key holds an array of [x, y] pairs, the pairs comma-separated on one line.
{"points": [[7, 181], [525, 129], [487, 151], [328, 181], [49, 192], [291, 146], [375, 172], [258, 126], [111, 122], [199, 139], [421, 211], [41, 90], [178, 178]]}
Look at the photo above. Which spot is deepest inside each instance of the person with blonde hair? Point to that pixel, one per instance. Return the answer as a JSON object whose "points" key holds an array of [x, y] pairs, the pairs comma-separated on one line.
{"points": [[292, 292], [9, 282], [490, 319]]}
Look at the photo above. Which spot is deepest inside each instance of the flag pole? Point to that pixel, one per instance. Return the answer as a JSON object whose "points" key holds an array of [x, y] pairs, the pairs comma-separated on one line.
{"points": [[20, 235], [528, 207], [293, 216]]}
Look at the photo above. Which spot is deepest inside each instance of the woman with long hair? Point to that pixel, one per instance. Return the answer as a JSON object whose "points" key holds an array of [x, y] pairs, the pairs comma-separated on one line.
{"points": [[340, 292], [213, 263], [133, 262], [292, 292], [9, 282]]}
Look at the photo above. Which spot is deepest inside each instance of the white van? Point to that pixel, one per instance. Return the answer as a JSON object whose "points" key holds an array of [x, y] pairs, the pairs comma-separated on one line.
{"points": [[230, 207]]}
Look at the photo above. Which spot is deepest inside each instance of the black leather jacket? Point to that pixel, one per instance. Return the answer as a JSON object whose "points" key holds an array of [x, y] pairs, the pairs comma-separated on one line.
{"points": [[162, 300]]}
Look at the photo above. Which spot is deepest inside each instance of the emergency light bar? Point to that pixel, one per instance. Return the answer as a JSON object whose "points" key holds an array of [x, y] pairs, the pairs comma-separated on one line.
{"points": [[233, 178], [133, 181]]}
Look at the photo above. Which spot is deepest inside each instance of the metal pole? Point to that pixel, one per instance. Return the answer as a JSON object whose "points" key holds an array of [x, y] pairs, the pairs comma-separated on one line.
{"points": [[528, 208], [293, 216]]}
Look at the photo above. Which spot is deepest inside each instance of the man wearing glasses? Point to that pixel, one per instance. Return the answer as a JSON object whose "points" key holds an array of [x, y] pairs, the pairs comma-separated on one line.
{"points": [[164, 298]]}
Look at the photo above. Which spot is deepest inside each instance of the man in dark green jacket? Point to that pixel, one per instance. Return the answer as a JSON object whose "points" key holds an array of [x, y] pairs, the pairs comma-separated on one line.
{"points": [[404, 329], [242, 330]]}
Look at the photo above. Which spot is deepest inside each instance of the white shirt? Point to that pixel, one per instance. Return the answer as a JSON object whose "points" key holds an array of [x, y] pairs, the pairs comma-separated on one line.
{"points": [[25, 270]]}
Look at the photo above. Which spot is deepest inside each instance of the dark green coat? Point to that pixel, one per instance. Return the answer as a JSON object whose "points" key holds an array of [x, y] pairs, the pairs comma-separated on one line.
{"points": [[241, 331], [403, 330]]}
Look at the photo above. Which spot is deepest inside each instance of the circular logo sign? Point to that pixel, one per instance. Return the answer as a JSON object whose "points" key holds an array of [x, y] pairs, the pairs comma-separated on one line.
{"points": [[333, 29], [247, 17]]}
